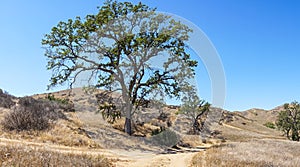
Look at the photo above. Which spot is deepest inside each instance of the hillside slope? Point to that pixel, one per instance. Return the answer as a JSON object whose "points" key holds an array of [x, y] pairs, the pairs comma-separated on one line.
{"points": [[87, 131]]}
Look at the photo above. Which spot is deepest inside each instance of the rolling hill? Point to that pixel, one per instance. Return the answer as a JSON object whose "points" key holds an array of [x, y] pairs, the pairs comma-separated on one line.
{"points": [[86, 134]]}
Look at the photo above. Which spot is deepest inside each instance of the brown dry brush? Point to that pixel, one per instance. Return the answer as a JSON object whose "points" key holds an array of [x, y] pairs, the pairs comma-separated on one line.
{"points": [[32, 114], [6, 100]]}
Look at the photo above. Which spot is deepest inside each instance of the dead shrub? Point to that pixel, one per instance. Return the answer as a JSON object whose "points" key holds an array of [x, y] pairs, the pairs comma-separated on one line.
{"points": [[6, 100], [31, 114]]}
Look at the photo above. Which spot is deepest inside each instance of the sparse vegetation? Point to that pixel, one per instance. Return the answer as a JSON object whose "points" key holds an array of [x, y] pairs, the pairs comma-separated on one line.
{"points": [[289, 121], [255, 153], [31, 114], [51, 97], [63, 132], [67, 133], [64, 103], [6, 100], [21, 155], [270, 125]]}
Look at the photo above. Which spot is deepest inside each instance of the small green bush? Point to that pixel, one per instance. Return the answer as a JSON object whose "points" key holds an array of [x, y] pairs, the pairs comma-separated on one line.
{"points": [[270, 125], [51, 97], [65, 104], [167, 138]]}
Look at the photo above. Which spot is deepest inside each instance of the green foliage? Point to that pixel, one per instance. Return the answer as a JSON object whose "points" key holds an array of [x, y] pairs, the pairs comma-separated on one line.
{"points": [[59, 100], [109, 112], [64, 104], [167, 138], [108, 107], [288, 121], [195, 109], [270, 125]]}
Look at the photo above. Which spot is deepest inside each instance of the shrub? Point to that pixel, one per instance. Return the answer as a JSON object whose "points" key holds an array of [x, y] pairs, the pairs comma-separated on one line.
{"points": [[163, 116], [6, 100], [270, 125], [157, 131], [109, 107], [51, 97], [31, 114], [167, 138], [65, 104], [24, 119]]}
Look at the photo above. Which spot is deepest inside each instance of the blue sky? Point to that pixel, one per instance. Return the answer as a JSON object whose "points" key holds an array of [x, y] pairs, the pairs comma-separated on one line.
{"points": [[257, 40]]}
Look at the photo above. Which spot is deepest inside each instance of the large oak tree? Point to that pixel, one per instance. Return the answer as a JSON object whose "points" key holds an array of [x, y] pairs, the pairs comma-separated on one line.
{"points": [[118, 46]]}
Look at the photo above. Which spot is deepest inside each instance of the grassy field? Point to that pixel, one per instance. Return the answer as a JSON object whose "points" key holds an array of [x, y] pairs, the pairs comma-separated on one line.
{"points": [[268, 152], [23, 155]]}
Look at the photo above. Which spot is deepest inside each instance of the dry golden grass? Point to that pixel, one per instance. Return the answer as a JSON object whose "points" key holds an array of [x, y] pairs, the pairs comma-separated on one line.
{"points": [[22, 155], [62, 132], [242, 130], [250, 142], [65, 133], [254, 153]]}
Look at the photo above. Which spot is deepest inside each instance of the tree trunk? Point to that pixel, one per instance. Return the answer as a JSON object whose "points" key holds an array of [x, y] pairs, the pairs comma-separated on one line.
{"points": [[195, 127], [288, 134], [127, 126], [295, 135]]}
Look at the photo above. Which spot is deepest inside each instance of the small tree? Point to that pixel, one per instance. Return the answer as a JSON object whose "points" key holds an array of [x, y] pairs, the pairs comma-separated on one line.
{"points": [[288, 121], [116, 46], [195, 109]]}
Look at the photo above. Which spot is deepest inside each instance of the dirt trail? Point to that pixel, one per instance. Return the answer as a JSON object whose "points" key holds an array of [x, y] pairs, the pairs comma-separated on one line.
{"points": [[230, 126], [160, 160], [122, 158]]}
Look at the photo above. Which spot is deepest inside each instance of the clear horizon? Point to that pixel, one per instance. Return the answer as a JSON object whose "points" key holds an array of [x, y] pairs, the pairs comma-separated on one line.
{"points": [[257, 41]]}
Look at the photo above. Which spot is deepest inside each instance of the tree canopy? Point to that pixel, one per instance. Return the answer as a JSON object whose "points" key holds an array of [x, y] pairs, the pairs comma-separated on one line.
{"points": [[118, 46], [289, 120]]}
